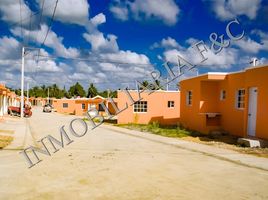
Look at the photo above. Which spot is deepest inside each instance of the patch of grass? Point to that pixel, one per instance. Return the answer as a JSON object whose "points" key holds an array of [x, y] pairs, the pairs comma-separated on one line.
{"points": [[7, 131], [224, 140], [5, 141], [156, 128]]}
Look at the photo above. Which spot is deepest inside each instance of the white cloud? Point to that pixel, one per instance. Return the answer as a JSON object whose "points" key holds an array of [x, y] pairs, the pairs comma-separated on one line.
{"points": [[45, 72], [52, 41], [99, 43], [249, 45], [126, 57], [68, 11], [229, 9], [166, 11], [120, 12], [114, 67], [98, 19], [43, 66], [222, 60], [9, 48], [10, 11], [263, 38], [166, 43]]}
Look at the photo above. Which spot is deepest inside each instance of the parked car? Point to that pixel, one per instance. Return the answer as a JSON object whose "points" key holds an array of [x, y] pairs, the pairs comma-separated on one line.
{"points": [[15, 111], [47, 108]]}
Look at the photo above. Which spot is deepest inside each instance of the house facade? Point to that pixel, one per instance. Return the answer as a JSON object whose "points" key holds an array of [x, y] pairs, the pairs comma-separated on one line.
{"points": [[7, 98], [38, 101], [80, 106], [233, 102], [159, 106]]}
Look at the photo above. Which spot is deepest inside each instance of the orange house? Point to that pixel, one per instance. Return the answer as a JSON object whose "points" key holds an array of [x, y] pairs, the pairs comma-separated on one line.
{"points": [[159, 106], [233, 102], [80, 106], [7, 98]]}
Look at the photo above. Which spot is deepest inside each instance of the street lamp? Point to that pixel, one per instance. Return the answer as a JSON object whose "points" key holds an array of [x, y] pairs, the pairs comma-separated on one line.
{"points": [[23, 54]]}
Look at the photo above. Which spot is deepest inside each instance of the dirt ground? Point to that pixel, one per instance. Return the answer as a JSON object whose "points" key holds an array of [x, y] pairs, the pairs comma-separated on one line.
{"points": [[105, 164]]}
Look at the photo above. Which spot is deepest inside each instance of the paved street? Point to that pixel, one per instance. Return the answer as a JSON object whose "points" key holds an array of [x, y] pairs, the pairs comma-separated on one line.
{"points": [[108, 164]]}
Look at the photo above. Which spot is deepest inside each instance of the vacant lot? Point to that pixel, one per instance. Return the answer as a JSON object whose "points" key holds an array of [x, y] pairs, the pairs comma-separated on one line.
{"points": [[106, 164]]}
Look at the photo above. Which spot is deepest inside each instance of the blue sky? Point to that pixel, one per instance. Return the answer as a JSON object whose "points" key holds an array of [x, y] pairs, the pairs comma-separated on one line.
{"points": [[114, 43]]}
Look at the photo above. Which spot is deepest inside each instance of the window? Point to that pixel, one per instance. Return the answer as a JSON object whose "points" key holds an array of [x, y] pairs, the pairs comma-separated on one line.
{"points": [[65, 105], [240, 98], [140, 106], [170, 104], [223, 95], [101, 108], [189, 98], [83, 106]]}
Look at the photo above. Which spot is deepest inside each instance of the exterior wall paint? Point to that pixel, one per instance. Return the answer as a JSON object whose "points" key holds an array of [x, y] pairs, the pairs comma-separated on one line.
{"points": [[157, 103], [75, 106], [58, 106], [206, 99], [7, 98]]}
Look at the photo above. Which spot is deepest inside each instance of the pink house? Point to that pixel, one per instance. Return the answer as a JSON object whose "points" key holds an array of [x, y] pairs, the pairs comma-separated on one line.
{"points": [[160, 106]]}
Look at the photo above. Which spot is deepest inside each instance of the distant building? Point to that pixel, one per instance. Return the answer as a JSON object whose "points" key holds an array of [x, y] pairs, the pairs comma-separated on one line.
{"points": [[80, 106]]}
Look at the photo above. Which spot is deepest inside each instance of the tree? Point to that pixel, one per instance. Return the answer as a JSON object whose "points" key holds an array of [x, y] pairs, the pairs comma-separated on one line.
{"points": [[92, 91], [144, 84], [77, 90], [152, 86]]}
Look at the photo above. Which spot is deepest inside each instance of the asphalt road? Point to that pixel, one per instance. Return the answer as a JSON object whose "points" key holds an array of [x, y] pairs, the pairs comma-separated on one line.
{"points": [[106, 164]]}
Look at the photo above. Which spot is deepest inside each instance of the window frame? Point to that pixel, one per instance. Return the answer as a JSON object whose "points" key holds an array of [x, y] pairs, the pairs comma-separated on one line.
{"points": [[101, 108], [238, 100], [65, 104], [83, 106], [171, 104], [223, 95], [189, 101], [140, 109]]}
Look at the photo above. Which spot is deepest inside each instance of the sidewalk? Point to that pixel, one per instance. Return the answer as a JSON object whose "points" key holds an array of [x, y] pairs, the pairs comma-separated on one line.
{"points": [[219, 153], [19, 129]]}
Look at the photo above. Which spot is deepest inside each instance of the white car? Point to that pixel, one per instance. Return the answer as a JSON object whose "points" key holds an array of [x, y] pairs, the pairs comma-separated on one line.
{"points": [[47, 108]]}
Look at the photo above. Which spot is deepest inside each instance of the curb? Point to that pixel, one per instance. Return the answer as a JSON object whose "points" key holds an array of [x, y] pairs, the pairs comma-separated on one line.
{"points": [[223, 154]]}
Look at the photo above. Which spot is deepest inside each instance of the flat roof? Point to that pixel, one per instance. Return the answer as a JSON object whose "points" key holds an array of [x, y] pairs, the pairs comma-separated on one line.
{"points": [[165, 91], [227, 73]]}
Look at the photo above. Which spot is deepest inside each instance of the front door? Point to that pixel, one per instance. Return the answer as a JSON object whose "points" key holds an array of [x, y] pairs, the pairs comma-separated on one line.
{"points": [[252, 111]]}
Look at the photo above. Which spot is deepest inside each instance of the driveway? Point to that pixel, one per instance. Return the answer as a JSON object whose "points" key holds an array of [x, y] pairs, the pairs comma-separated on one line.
{"points": [[108, 164]]}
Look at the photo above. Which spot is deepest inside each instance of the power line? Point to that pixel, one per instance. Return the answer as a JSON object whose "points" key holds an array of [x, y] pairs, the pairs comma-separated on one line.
{"points": [[49, 27], [40, 18], [94, 61], [30, 28], [51, 22], [26, 18], [21, 22]]}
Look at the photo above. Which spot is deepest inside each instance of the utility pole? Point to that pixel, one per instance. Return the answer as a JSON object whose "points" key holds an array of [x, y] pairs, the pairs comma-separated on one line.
{"points": [[48, 95], [22, 84], [27, 94], [167, 84], [108, 93]]}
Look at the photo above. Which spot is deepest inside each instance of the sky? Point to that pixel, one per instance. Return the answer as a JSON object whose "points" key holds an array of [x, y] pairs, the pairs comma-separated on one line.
{"points": [[114, 43]]}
